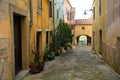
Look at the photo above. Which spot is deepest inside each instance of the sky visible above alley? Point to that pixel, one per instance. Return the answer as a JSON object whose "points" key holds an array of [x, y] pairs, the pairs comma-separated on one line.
{"points": [[80, 6]]}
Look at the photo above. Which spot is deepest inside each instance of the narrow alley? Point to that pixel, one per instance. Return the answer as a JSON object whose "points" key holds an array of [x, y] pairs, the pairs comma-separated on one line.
{"points": [[78, 64], [37, 36]]}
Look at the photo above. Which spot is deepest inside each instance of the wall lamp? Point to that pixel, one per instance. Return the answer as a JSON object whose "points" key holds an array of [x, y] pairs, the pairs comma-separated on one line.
{"points": [[85, 11]]}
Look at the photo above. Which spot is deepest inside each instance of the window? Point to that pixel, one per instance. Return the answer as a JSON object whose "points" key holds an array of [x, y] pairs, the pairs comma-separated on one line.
{"points": [[47, 37], [68, 14], [99, 7], [83, 28], [93, 13], [50, 8], [57, 13], [39, 5]]}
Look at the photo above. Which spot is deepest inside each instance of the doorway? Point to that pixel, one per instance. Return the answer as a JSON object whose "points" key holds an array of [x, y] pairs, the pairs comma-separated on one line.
{"points": [[17, 43], [83, 40], [100, 41], [93, 40], [38, 41], [47, 38]]}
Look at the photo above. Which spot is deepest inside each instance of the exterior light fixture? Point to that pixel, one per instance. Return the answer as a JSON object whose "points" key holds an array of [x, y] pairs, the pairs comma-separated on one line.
{"points": [[85, 11]]}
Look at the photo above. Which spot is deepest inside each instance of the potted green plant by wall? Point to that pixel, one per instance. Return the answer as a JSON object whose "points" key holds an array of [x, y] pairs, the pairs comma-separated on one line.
{"points": [[64, 35], [49, 54], [36, 66]]}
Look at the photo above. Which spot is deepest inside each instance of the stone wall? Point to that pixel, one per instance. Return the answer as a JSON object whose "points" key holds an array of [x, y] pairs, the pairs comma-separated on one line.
{"points": [[111, 55], [112, 32], [4, 60]]}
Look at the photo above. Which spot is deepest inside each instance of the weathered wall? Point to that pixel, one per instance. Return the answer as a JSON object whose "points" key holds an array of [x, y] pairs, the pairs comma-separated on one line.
{"points": [[5, 69], [108, 22], [6, 40], [112, 33], [41, 23]]}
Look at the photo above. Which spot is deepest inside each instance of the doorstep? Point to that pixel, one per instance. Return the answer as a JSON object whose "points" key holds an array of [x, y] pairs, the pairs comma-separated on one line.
{"points": [[22, 74]]}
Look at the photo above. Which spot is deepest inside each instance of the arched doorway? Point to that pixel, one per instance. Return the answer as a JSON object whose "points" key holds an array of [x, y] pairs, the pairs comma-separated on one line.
{"points": [[84, 40]]}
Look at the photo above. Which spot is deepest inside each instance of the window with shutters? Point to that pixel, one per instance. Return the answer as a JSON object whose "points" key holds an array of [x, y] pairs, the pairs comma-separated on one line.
{"points": [[57, 14], [39, 5], [50, 8]]}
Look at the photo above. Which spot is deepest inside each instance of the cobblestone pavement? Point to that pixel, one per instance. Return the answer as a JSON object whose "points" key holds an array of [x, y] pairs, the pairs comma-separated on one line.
{"points": [[78, 64]]}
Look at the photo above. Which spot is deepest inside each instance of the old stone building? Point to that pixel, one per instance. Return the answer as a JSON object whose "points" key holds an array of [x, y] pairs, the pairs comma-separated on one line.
{"points": [[25, 25], [14, 37], [67, 11], [42, 25], [106, 31], [83, 27]]}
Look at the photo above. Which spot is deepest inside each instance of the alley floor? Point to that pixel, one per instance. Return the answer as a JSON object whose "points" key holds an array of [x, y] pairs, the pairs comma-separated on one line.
{"points": [[78, 64]]}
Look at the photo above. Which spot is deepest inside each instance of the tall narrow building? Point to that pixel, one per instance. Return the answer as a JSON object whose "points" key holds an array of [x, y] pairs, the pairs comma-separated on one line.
{"points": [[106, 31]]}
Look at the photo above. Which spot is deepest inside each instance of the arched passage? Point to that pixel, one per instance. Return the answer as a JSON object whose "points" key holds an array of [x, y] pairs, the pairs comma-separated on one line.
{"points": [[84, 40]]}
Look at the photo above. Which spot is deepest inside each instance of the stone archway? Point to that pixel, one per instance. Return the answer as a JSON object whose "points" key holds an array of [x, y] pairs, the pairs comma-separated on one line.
{"points": [[83, 40]]}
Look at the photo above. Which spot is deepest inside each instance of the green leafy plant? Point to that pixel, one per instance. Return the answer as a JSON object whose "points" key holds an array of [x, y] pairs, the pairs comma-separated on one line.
{"points": [[64, 34], [49, 54], [62, 38], [36, 66]]}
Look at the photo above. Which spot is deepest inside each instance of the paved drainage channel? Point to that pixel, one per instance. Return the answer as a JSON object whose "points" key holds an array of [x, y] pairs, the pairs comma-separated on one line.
{"points": [[77, 64]]}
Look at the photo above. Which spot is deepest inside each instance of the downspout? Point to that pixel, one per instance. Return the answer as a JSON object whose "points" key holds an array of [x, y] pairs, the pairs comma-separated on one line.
{"points": [[53, 31], [53, 15], [31, 24]]}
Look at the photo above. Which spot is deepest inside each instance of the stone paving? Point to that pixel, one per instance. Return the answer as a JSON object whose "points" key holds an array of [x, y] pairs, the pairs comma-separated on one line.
{"points": [[78, 64]]}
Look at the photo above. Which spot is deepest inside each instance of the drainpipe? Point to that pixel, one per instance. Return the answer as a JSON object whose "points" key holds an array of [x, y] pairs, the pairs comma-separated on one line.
{"points": [[31, 13], [53, 32], [53, 15]]}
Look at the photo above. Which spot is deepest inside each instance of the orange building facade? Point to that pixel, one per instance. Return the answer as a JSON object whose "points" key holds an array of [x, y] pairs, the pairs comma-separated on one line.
{"points": [[25, 25]]}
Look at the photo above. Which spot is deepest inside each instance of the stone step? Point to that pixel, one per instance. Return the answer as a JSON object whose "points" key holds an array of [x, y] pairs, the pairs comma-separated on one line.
{"points": [[21, 74]]}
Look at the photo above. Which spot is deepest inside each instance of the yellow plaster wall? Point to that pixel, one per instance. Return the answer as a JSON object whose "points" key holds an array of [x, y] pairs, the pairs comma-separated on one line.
{"points": [[6, 33], [99, 23], [42, 23], [79, 31], [109, 23], [112, 33]]}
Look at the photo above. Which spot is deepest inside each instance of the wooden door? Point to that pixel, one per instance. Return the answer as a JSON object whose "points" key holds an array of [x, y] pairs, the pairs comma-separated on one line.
{"points": [[17, 43]]}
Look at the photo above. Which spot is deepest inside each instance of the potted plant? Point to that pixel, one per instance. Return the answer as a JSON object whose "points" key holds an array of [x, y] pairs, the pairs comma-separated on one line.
{"points": [[49, 55], [36, 66]]}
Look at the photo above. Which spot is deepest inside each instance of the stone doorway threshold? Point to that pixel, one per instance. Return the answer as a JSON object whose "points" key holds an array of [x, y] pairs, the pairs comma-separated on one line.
{"points": [[21, 74]]}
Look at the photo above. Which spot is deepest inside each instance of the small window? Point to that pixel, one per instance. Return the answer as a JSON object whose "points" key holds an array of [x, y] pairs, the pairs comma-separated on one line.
{"points": [[83, 28], [47, 38], [68, 14], [99, 7], [50, 8], [39, 5], [57, 13]]}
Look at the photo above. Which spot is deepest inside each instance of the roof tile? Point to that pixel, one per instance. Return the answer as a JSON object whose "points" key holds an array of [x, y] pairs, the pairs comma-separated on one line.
{"points": [[83, 21]]}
